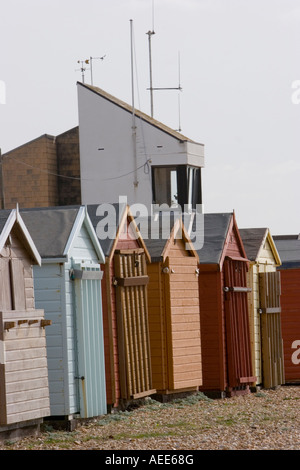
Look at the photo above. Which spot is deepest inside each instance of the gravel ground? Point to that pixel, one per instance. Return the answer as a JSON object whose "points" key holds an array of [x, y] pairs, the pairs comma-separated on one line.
{"points": [[265, 420]]}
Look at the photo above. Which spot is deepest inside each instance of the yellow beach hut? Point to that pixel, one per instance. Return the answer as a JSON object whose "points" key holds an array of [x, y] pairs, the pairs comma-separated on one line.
{"points": [[264, 307]]}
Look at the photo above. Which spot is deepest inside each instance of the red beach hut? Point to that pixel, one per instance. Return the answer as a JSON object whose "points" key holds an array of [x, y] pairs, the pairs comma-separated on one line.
{"points": [[288, 247], [225, 333]]}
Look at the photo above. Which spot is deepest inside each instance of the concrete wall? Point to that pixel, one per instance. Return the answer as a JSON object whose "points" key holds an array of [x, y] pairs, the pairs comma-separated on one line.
{"points": [[110, 162]]}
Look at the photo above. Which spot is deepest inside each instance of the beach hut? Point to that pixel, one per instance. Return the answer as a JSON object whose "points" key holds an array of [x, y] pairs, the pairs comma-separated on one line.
{"points": [[225, 329], [125, 304], [289, 250], [264, 306], [24, 392], [174, 312], [68, 287]]}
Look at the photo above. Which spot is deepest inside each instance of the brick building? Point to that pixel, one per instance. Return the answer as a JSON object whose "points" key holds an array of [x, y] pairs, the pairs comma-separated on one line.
{"points": [[41, 173]]}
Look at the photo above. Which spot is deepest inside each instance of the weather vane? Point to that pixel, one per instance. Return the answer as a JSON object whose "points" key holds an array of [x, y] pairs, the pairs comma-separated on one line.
{"points": [[82, 68], [88, 62]]}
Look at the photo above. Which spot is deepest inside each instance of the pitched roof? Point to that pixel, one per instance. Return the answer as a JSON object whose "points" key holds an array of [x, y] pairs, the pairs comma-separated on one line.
{"points": [[253, 239], [215, 231], [139, 114], [50, 228], [288, 247], [4, 215], [156, 232], [54, 228], [106, 220], [9, 218]]}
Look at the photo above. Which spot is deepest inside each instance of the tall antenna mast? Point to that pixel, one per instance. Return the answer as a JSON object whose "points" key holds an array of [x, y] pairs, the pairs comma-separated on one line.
{"points": [[180, 89], [151, 88], [150, 33], [135, 183]]}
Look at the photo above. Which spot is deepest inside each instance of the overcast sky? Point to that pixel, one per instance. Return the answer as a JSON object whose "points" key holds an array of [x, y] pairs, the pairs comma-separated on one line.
{"points": [[239, 61]]}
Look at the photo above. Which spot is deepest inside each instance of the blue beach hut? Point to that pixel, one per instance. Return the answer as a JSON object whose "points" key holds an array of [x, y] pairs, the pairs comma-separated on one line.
{"points": [[68, 287]]}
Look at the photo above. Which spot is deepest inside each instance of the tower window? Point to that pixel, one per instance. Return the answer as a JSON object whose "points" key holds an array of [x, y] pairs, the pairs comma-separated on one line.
{"points": [[176, 186]]}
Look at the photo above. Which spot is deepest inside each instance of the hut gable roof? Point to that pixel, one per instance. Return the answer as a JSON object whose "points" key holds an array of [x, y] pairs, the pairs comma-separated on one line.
{"points": [[254, 240], [217, 230], [11, 218], [55, 228], [110, 221], [288, 247], [216, 227], [4, 217], [158, 232]]}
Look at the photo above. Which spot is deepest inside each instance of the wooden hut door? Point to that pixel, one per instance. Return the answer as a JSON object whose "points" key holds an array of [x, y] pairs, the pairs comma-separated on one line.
{"points": [[271, 337], [132, 321], [90, 342], [239, 366]]}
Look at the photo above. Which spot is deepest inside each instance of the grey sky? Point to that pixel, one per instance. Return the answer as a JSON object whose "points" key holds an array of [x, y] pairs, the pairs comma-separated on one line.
{"points": [[239, 59]]}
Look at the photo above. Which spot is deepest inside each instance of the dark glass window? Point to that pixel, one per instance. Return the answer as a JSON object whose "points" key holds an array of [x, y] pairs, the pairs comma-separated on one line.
{"points": [[176, 185]]}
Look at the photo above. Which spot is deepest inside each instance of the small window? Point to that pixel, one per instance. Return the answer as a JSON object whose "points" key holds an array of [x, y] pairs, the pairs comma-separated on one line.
{"points": [[166, 191], [176, 186]]}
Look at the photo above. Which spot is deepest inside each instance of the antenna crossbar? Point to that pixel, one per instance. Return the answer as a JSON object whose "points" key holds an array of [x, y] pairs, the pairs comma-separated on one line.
{"points": [[175, 88]]}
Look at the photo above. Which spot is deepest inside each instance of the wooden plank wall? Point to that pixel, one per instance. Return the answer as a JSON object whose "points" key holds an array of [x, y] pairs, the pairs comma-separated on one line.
{"points": [[49, 283], [82, 252], [272, 347], [110, 327], [184, 319], [174, 322], [254, 318], [290, 321], [24, 293], [212, 314], [110, 336], [133, 329], [125, 242], [157, 326], [240, 374], [212, 333], [24, 390], [265, 263], [90, 346], [232, 245], [23, 371]]}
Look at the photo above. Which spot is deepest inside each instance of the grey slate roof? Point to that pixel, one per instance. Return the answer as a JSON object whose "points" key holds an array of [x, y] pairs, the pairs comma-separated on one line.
{"points": [[4, 214], [253, 239], [288, 247], [156, 232], [215, 230], [50, 228], [108, 221]]}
